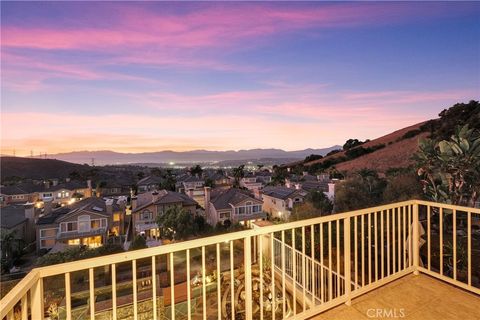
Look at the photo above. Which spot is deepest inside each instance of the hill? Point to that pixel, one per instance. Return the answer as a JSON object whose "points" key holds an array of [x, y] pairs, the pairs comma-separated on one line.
{"points": [[30, 168], [110, 157], [395, 150]]}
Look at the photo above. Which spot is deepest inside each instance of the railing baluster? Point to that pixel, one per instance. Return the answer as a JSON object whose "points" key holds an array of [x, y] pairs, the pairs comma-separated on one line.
{"points": [[154, 286], [283, 274], [369, 248], [347, 257], [232, 282], [274, 298], [416, 239], [135, 298], [404, 240], [388, 242], [294, 259], [189, 288], [260, 262], [375, 231], [219, 287], [204, 285], [441, 240], [92, 293], [330, 284], [303, 271], [337, 232], [394, 260], [382, 243], [469, 248], [24, 304], [410, 239], [362, 222], [322, 287], [68, 301], [312, 275], [454, 217], [247, 249], [114, 291], [429, 242], [399, 236], [355, 235]]}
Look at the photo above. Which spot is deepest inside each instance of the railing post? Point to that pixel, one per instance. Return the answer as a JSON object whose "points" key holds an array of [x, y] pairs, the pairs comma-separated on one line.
{"points": [[248, 277], [37, 300], [415, 237], [347, 260]]}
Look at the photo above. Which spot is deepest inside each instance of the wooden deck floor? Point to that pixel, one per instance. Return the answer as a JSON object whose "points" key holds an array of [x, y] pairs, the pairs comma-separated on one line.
{"points": [[412, 298]]}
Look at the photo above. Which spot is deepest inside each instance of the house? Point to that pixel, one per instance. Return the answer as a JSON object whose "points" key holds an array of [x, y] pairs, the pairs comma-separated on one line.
{"points": [[147, 206], [264, 176], [219, 180], [193, 186], [13, 219], [279, 201], [232, 206], [150, 183], [86, 222], [15, 194], [249, 181]]}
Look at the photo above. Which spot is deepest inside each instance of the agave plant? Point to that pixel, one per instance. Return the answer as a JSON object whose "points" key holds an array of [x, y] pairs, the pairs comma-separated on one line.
{"points": [[450, 169]]}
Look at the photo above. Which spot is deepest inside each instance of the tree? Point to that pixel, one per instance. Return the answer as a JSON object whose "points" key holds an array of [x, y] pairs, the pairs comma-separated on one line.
{"points": [[11, 249], [364, 189], [176, 224], [238, 174], [402, 187], [196, 170], [138, 242], [313, 157], [168, 181], [351, 143], [450, 169], [320, 201], [156, 172]]}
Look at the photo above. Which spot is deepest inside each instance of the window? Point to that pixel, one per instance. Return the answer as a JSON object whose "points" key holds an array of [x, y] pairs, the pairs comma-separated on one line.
{"points": [[84, 223], [67, 194], [59, 195], [116, 217], [46, 233], [95, 224], [47, 243], [73, 242], [146, 215]]}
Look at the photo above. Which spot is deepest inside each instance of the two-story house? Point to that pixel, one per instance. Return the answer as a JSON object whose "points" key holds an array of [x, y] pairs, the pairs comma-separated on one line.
{"points": [[279, 201], [232, 206], [250, 182], [150, 183], [219, 180], [147, 206], [86, 222]]}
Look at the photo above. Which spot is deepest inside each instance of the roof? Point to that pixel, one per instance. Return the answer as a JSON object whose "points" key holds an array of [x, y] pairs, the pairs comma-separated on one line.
{"points": [[11, 216], [224, 199], [282, 192], [167, 197], [150, 180], [27, 188], [315, 185], [92, 204], [192, 179]]}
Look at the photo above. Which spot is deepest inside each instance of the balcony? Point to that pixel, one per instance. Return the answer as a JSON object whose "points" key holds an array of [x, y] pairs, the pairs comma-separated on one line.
{"points": [[412, 255]]}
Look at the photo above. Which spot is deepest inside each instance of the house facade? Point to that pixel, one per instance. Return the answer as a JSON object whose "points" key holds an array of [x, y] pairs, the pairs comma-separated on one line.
{"points": [[232, 206], [278, 202], [148, 206], [87, 222]]}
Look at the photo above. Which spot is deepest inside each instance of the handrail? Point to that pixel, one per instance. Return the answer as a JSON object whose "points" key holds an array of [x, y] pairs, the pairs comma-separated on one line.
{"points": [[13, 296]]}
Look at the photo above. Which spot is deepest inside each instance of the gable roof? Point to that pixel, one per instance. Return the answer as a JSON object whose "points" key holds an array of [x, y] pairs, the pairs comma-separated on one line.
{"points": [[93, 205], [282, 192], [224, 199], [150, 180], [168, 197], [11, 216]]}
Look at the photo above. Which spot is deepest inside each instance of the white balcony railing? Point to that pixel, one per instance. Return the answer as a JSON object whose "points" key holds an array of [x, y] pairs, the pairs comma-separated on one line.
{"points": [[297, 269]]}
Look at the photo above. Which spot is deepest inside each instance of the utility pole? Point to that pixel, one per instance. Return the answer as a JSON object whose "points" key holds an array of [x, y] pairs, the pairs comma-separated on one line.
{"points": [[93, 162]]}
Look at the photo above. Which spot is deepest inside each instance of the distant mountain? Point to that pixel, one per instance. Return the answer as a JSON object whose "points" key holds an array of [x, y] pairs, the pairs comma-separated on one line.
{"points": [[111, 157], [37, 168]]}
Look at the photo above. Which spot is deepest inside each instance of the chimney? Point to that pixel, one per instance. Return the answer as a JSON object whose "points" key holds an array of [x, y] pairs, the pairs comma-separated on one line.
{"points": [[331, 189], [297, 186], [155, 196], [109, 206], [47, 184], [287, 184], [133, 202], [54, 182], [207, 200], [89, 187], [47, 206]]}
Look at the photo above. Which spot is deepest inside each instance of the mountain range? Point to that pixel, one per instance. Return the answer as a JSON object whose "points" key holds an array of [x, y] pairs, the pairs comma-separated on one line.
{"points": [[111, 157]]}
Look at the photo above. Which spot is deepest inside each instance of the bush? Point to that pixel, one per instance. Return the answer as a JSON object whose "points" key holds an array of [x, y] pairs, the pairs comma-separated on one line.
{"points": [[411, 134], [78, 253], [138, 242]]}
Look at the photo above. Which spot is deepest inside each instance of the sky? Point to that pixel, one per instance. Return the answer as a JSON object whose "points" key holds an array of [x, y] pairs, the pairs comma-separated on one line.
{"points": [[151, 76]]}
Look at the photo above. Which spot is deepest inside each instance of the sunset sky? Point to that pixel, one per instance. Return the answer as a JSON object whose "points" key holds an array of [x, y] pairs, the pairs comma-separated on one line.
{"points": [[135, 77]]}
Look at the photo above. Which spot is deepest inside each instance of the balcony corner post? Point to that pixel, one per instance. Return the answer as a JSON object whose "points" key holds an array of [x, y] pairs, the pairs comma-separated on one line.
{"points": [[248, 277], [347, 261], [37, 307], [416, 239]]}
